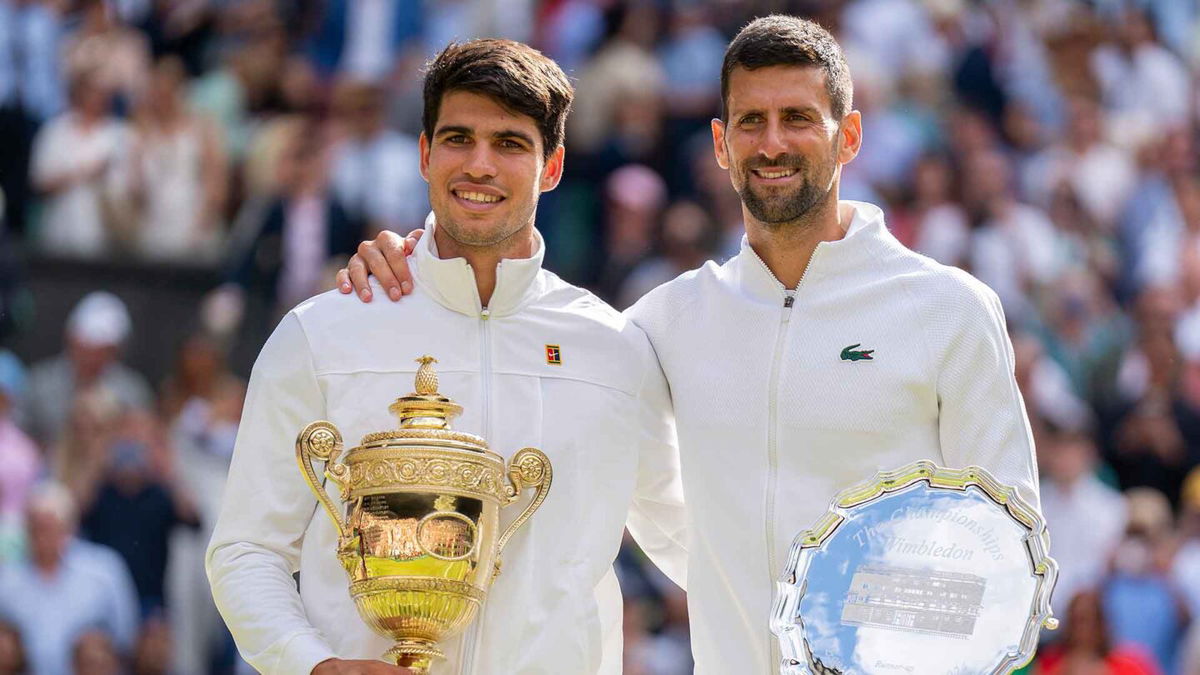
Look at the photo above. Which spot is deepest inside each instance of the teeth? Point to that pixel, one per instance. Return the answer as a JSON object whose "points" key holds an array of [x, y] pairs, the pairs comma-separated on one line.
{"points": [[477, 197], [775, 174]]}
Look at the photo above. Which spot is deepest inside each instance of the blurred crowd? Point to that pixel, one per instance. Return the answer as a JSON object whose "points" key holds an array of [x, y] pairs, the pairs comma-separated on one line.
{"points": [[1047, 146]]}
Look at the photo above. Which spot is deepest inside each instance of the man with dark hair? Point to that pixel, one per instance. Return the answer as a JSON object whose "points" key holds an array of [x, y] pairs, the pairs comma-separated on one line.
{"points": [[534, 362], [823, 352]]}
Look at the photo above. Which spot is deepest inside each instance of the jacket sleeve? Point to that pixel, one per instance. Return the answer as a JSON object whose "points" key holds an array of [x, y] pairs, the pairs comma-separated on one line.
{"points": [[266, 508], [656, 516], [982, 419]]}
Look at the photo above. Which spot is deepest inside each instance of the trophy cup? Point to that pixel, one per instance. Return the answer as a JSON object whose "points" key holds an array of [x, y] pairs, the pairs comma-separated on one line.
{"points": [[420, 539], [923, 570]]}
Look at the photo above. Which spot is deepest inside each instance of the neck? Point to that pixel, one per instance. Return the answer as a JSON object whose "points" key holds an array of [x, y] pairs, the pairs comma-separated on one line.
{"points": [[484, 259], [787, 248]]}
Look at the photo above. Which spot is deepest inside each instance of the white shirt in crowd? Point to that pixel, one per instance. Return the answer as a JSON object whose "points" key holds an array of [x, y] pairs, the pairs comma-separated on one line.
{"points": [[73, 223]]}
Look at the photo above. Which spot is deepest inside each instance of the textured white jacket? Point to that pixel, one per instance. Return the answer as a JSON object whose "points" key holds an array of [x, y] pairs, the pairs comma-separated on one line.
{"points": [[777, 410], [602, 417]]}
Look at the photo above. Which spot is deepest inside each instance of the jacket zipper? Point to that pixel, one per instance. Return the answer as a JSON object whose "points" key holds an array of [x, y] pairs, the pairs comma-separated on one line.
{"points": [[471, 641], [789, 300]]}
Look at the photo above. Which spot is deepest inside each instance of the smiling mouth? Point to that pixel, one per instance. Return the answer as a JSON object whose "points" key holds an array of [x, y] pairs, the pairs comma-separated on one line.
{"points": [[774, 173], [477, 197]]}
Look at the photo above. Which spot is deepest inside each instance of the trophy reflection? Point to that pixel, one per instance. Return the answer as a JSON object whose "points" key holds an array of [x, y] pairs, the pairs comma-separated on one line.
{"points": [[420, 538]]}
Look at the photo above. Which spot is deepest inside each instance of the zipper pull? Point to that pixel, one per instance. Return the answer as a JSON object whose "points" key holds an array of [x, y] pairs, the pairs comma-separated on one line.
{"points": [[788, 301], [485, 314]]}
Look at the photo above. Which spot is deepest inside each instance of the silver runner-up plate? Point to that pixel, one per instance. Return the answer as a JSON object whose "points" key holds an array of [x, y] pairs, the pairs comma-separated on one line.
{"points": [[921, 571]]}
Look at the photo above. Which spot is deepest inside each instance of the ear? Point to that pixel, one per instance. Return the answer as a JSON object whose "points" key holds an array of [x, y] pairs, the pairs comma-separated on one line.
{"points": [[552, 172], [851, 137], [718, 132], [423, 145]]}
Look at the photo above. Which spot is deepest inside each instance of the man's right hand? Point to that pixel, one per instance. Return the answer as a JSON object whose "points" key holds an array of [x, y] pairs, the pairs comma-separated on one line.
{"points": [[358, 667], [386, 257]]}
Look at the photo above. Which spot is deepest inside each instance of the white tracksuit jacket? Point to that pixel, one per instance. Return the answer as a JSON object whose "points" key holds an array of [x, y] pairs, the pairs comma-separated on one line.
{"points": [[773, 421], [602, 417]]}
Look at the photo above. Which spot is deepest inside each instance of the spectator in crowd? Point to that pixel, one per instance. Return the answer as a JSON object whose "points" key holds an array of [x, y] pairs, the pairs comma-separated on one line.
{"points": [[19, 457], [300, 100], [178, 174], [375, 174], [201, 403], [65, 587], [1085, 516], [136, 505], [79, 457], [96, 329], [78, 166], [936, 218], [1152, 216], [624, 68], [1014, 247], [1088, 646], [1100, 174], [688, 237], [31, 92], [364, 39], [301, 231], [1152, 445], [1142, 602], [635, 197], [1142, 82], [691, 56], [115, 56]]}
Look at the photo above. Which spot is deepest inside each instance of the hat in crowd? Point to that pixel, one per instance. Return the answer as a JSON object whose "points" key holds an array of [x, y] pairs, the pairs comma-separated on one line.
{"points": [[12, 375], [100, 320]]}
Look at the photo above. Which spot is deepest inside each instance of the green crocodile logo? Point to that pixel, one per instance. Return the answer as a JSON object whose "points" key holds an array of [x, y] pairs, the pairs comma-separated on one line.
{"points": [[849, 353]]}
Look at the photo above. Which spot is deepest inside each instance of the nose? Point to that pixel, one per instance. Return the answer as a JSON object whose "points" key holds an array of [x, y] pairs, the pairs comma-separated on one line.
{"points": [[481, 162], [773, 143]]}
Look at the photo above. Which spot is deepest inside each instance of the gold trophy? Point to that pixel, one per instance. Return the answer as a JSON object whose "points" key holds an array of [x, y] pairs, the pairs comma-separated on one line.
{"points": [[420, 540]]}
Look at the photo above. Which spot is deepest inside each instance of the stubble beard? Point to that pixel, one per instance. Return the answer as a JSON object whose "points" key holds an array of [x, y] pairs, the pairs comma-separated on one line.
{"points": [[497, 236], [785, 208]]}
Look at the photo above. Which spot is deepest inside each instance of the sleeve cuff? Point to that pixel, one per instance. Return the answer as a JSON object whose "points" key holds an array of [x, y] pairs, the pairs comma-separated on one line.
{"points": [[302, 653]]}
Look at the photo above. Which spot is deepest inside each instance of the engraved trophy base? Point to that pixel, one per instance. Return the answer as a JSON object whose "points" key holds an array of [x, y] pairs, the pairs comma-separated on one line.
{"points": [[415, 654]]}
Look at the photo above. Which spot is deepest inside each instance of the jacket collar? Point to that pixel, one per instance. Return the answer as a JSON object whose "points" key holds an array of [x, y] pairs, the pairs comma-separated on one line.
{"points": [[451, 281], [865, 236]]}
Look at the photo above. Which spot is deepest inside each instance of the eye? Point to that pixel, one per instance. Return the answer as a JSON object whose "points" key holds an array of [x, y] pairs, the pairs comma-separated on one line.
{"points": [[510, 144], [752, 118], [457, 139]]}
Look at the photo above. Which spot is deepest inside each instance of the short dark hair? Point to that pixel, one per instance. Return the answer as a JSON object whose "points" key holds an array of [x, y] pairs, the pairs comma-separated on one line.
{"points": [[513, 74], [781, 40]]}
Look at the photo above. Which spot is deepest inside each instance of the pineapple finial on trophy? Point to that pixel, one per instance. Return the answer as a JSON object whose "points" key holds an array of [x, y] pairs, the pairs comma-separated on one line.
{"points": [[427, 379], [425, 408]]}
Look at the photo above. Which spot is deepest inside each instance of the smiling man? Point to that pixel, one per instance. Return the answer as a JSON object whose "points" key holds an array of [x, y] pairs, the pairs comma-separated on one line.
{"points": [[836, 352], [534, 362], [823, 352]]}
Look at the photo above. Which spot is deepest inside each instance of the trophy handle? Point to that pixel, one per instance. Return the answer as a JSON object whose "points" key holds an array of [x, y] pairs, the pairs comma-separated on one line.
{"points": [[528, 468], [322, 441]]}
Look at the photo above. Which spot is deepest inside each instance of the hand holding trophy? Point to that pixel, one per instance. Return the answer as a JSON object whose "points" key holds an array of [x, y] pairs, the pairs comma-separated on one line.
{"points": [[921, 570], [420, 539]]}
